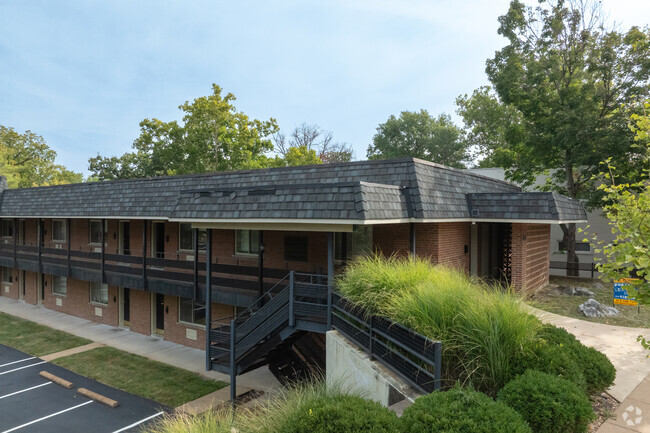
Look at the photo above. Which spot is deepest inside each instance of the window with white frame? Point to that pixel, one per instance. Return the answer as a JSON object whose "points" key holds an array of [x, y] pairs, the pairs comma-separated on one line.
{"points": [[186, 237], [59, 231], [99, 293], [6, 228], [59, 285], [190, 311], [95, 236], [247, 242], [6, 275]]}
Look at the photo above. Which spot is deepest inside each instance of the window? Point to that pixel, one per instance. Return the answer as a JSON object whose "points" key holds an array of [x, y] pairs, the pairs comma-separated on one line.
{"points": [[59, 232], [584, 247], [247, 242], [357, 243], [7, 228], [96, 232], [186, 240], [99, 293], [59, 285], [190, 311], [6, 275], [296, 248]]}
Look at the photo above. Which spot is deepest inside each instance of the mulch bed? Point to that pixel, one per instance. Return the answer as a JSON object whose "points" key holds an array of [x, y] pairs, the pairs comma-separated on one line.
{"points": [[604, 405]]}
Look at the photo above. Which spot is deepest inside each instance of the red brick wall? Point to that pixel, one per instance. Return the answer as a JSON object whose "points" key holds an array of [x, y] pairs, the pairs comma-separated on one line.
{"points": [[452, 240], [176, 331], [389, 239], [140, 313], [10, 290], [530, 256]]}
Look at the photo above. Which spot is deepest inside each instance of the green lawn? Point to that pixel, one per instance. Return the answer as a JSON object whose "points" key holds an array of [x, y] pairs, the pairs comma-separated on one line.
{"points": [[35, 339], [160, 382], [603, 292]]}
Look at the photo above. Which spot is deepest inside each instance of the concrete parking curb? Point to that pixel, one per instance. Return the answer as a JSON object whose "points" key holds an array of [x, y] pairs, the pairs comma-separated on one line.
{"points": [[56, 379], [98, 397]]}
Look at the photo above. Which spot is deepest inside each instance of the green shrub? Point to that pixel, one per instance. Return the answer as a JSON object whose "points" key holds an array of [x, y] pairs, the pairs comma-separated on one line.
{"points": [[461, 411], [598, 371], [548, 403], [555, 360], [484, 331], [341, 414]]}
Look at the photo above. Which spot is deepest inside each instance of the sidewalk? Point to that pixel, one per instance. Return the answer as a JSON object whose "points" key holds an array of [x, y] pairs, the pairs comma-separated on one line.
{"points": [[633, 415], [150, 347]]}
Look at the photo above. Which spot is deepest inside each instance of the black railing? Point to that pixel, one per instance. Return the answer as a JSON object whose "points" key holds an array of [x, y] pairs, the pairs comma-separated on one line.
{"points": [[412, 355], [588, 267]]}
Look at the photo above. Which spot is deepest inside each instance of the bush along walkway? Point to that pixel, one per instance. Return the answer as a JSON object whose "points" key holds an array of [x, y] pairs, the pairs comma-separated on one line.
{"points": [[633, 415]]}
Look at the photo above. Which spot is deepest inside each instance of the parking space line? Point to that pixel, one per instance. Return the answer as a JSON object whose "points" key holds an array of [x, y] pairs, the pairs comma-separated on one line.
{"points": [[24, 390], [16, 362], [20, 368], [46, 417], [137, 422]]}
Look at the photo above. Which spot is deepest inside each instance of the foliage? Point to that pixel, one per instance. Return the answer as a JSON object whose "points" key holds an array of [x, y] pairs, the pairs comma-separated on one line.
{"points": [[214, 136], [461, 411], [553, 359], [340, 414], [35, 339], [419, 135], [564, 88], [154, 380], [548, 403], [294, 156], [26, 160], [598, 371], [312, 139], [484, 331]]}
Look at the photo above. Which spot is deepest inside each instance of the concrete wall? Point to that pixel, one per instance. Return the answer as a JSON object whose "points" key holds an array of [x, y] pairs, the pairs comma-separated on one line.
{"points": [[352, 369]]}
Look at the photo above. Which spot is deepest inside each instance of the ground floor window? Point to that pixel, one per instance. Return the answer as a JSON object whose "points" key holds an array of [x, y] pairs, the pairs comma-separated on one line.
{"points": [[99, 293], [186, 237], [190, 311], [59, 285], [247, 242], [6, 275]]}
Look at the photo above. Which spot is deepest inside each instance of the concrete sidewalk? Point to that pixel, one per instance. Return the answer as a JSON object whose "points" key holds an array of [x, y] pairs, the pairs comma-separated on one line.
{"points": [[618, 343], [633, 415], [150, 347]]}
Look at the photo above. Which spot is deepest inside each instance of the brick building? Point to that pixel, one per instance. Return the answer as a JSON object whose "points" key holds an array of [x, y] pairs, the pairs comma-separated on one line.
{"points": [[133, 253]]}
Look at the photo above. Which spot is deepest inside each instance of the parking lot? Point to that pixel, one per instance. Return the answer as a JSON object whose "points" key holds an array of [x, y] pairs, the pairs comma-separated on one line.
{"points": [[31, 403]]}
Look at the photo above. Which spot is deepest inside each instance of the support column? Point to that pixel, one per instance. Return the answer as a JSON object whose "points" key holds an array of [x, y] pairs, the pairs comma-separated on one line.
{"points": [[260, 263], [195, 243], [208, 298], [40, 242], [68, 234], [144, 254], [330, 276], [473, 247], [103, 250], [412, 238], [15, 233]]}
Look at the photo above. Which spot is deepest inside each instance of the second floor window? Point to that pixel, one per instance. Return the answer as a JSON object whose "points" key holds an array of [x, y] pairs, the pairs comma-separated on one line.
{"points": [[59, 233], [59, 285], [247, 242], [186, 240], [7, 228], [95, 232]]}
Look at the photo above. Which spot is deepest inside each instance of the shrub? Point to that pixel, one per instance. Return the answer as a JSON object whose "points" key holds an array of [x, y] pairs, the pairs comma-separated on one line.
{"points": [[484, 331], [598, 371], [341, 414], [461, 411], [555, 360], [548, 403]]}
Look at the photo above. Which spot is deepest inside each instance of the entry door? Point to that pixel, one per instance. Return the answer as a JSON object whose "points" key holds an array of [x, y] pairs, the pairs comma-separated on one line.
{"points": [[125, 238], [158, 240], [160, 314], [126, 306]]}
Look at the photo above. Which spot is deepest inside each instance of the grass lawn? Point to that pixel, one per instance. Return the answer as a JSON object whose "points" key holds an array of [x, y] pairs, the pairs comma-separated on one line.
{"points": [[604, 292], [160, 382], [35, 339]]}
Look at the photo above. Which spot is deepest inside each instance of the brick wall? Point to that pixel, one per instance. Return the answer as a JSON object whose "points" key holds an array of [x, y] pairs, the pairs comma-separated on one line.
{"points": [[391, 239], [176, 331], [453, 238], [530, 256]]}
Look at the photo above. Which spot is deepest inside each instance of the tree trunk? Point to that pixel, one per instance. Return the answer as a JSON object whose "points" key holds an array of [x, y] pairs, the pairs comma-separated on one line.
{"points": [[569, 230]]}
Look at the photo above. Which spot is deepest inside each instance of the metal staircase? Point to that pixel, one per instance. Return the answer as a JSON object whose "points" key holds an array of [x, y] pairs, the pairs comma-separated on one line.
{"points": [[298, 303]]}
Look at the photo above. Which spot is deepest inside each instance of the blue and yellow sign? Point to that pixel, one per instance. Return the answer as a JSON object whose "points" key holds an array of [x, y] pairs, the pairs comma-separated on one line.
{"points": [[621, 295]]}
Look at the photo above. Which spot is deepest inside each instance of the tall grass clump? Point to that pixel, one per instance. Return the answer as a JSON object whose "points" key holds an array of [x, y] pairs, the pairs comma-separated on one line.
{"points": [[484, 330]]}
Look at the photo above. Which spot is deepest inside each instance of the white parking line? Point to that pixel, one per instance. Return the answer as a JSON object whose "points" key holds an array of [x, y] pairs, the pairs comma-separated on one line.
{"points": [[24, 390], [137, 422], [20, 368], [16, 362], [46, 417]]}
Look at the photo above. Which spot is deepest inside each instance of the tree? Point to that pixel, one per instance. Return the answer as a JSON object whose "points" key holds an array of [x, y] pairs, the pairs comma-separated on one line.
{"points": [[419, 135], [564, 86], [214, 136], [305, 138], [26, 160]]}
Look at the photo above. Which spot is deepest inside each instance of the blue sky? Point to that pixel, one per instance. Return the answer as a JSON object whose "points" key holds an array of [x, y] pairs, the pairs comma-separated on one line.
{"points": [[83, 74]]}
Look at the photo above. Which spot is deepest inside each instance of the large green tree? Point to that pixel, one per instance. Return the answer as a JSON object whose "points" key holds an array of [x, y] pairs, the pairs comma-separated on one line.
{"points": [[26, 160], [420, 135], [564, 90], [306, 138], [213, 136]]}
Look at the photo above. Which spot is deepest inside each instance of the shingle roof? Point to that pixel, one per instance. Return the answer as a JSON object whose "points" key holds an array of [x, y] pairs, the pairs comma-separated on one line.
{"points": [[363, 190], [526, 205]]}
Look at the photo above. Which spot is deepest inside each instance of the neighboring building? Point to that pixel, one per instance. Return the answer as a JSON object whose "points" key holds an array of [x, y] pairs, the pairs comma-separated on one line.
{"points": [[597, 223], [132, 253]]}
